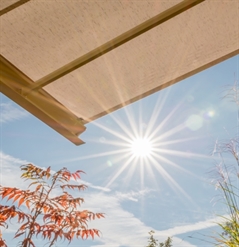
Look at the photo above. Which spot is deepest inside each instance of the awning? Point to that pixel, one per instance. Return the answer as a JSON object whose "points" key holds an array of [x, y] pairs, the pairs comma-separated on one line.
{"points": [[71, 62]]}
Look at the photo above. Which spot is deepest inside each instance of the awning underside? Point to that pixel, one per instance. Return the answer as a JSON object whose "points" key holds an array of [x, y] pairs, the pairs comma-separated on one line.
{"points": [[50, 42]]}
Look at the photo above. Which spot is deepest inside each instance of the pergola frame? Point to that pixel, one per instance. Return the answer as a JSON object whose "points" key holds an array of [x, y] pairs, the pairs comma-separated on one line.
{"points": [[13, 6], [13, 82]]}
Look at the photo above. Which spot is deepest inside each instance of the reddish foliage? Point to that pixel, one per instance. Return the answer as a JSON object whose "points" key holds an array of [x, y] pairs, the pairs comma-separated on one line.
{"points": [[60, 215]]}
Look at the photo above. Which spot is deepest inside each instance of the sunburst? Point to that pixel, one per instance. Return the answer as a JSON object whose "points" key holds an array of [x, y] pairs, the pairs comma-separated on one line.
{"points": [[141, 147], [144, 148]]}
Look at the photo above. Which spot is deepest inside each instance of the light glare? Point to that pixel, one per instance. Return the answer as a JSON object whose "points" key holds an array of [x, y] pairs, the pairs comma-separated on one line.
{"points": [[141, 147]]}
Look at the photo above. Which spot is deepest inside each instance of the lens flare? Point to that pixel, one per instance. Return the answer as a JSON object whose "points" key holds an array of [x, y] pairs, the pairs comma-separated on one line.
{"points": [[194, 122]]}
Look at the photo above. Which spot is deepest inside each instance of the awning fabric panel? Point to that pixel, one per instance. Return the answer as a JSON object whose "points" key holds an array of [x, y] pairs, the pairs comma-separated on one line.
{"points": [[50, 34], [164, 54]]}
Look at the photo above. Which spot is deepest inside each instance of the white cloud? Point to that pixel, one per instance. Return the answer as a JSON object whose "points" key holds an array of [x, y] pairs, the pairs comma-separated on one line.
{"points": [[7, 159], [10, 173], [192, 227], [119, 227], [10, 170], [95, 186], [9, 112], [132, 195]]}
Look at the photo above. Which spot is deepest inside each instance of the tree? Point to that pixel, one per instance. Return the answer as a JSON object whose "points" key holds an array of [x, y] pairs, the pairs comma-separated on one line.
{"points": [[152, 242], [51, 217]]}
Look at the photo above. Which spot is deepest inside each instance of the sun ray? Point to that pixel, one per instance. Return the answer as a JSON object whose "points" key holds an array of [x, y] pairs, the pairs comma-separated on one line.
{"points": [[149, 171], [169, 133], [156, 130], [133, 125], [92, 156], [176, 141], [124, 167], [156, 111], [183, 154], [123, 126], [162, 158], [132, 169], [142, 173], [115, 133], [170, 181]]}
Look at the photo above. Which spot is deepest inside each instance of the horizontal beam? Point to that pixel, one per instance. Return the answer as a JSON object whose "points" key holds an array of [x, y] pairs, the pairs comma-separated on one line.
{"points": [[165, 85], [12, 6], [114, 43], [39, 103]]}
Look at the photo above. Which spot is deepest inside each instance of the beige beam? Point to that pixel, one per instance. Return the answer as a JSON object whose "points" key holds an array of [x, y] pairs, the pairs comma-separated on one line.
{"points": [[167, 84], [39, 103], [8, 8], [114, 43]]}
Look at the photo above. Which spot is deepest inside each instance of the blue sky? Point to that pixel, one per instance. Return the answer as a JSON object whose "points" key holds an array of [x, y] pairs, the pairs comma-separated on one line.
{"points": [[169, 191]]}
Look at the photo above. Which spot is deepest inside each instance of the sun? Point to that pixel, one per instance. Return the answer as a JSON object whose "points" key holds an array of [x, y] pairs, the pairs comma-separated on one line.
{"points": [[141, 147]]}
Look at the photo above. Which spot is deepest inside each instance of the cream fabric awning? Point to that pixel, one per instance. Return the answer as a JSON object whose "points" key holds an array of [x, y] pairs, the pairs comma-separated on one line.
{"points": [[71, 62]]}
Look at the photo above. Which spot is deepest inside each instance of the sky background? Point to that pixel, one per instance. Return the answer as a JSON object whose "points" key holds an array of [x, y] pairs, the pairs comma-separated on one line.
{"points": [[170, 191]]}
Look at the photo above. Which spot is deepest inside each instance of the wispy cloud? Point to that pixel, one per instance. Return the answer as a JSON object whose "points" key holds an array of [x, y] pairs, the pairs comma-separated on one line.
{"points": [[119, 227], [8, 159], [9, 112], [9, 170], [132, 195], [191, 227], [96, 186]]}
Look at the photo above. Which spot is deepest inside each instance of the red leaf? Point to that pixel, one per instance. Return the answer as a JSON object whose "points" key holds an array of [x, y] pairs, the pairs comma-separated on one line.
{"points": [[11, 196], [84, 214], [46, 216], [22, 227], [21, 201], [2, 243], [48, 172], [49, 234], [28, 204], [45, 208], [19, 234], [74, 176], [96, 232], [16, 197], [77, 174], [38, 187], [100, 215], [84, 233], [91, 233], [79, 171], [7, 192], [21, 216]]}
